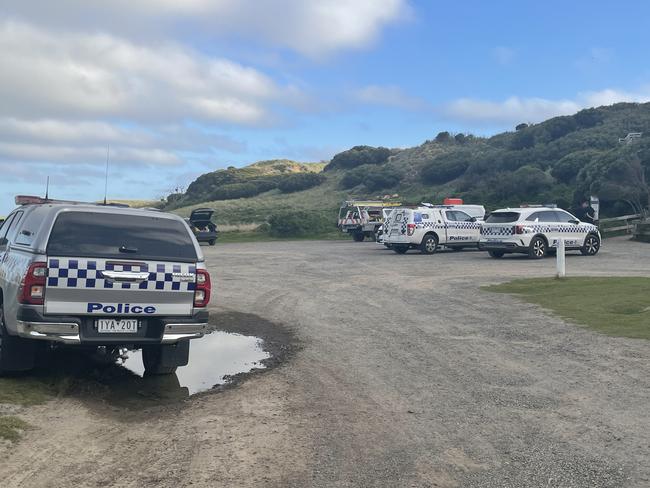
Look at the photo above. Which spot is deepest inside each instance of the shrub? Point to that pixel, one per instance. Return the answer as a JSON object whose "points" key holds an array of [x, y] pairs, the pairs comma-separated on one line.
{"points": [[300, 223], [357, 156], [300, 181]]}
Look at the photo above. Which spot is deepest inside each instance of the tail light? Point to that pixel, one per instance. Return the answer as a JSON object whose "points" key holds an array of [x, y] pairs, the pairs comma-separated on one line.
{"points": [[202, 289], [32, 288], [410, 228]]}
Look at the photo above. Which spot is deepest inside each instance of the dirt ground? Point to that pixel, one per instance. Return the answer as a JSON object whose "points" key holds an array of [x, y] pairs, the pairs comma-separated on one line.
{"points": [[396, 371]]}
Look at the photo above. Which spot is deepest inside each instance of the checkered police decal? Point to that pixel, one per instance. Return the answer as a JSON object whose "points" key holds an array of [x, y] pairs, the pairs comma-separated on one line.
{"points": [[87, 273], [497, 231]]}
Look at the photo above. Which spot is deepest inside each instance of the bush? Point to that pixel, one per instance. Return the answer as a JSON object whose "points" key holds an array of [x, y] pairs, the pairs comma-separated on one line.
{"points": [[300, 224], [353, 178], [381, 178], [300, 181], [357, 156], [446, 168]]}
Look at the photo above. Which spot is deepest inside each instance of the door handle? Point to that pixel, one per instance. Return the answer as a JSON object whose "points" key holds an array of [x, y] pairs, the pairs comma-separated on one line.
{"points": [[125, 276]]}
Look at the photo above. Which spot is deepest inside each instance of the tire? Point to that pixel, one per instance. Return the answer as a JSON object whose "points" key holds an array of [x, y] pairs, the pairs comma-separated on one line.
{"points": [[358, 236], [429, 244], [538, 248], [400, 249], [212, 242], [591, 245], [16, 353], [496, 254]]}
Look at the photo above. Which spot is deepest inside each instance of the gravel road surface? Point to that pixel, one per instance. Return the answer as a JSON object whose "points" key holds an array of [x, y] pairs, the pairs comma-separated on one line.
{"points": [[405, 374]]}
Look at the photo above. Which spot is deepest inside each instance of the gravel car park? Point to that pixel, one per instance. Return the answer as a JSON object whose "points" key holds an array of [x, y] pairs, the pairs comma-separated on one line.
{"points": [[430, 382]]}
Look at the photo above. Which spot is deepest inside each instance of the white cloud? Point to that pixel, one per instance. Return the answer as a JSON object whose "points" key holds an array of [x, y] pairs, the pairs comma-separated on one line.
{"points": [[390, 96], [97, 75], [314, 28], [517, 109]]}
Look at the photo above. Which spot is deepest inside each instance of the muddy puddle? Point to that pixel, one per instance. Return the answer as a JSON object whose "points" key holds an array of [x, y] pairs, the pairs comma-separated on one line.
{"points": [[245, 345], [213, 359]]}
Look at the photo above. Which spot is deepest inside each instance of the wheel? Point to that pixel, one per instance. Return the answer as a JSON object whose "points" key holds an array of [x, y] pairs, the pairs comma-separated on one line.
{"points": [[212, 242], [358, 236], [429, 244], [538, 248], [165, 358], [591, 245], [400, 249], [16, 353], [496, 254]]}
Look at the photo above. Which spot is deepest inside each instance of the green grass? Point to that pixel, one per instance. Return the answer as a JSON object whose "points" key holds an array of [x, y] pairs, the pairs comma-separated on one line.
{"points": [[616, 306], [25, 391], [253, 236], [11, 427]]}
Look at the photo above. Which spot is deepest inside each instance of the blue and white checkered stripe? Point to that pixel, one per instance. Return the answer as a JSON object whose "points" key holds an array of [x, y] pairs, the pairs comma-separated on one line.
{"points": [[87, 273], [497, 231]]}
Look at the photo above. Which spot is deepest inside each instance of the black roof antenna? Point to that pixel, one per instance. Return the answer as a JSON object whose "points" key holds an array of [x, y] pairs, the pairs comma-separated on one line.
{"points": [[47, 189], [108, 152]]}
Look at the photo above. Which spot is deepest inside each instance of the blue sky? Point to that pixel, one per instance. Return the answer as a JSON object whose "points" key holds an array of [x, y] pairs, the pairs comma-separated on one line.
{"points": [[180, 88]]}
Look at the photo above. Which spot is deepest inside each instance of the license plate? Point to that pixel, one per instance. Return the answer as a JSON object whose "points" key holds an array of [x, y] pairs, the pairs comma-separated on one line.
{"points": [[117, 326]]}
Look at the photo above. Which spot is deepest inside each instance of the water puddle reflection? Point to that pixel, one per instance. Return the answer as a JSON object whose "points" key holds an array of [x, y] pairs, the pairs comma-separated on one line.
{"points": [[212, 359]]}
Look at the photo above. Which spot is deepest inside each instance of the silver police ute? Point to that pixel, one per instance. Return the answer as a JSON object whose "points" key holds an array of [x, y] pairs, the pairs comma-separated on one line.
{"points": [[87, 275]]}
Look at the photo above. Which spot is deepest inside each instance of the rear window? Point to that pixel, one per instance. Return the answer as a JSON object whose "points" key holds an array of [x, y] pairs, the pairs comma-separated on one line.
{"points": [[101, 235], [502, 217]]}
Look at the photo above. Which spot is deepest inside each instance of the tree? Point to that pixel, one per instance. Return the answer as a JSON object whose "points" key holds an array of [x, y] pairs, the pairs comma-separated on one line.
{"points": [[443, 137], [460, 138], [521, 126], [523, 140]]}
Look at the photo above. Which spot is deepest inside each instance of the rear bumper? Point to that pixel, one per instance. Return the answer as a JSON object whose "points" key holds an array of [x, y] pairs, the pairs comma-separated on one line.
{"points": [[504, 246], [206, 236], [80, 330]]}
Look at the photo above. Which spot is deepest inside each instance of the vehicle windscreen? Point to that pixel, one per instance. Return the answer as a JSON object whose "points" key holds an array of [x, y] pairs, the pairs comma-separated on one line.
{"points": [[502, 217], [119, 236]]}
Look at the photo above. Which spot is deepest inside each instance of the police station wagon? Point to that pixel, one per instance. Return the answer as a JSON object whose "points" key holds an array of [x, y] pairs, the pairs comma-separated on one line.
{"points": [[429, 226], [535, 231], [90, 275]]}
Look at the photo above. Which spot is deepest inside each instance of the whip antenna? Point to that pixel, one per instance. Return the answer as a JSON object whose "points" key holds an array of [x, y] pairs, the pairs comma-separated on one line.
{"points": [[108, 153], [47, 189]]}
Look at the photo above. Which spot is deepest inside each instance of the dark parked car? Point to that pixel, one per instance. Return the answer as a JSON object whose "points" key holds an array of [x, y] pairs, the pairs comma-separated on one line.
{"points": [[204, 229]]}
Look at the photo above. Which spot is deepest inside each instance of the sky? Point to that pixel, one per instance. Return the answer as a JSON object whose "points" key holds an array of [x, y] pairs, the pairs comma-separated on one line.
{"points": [[173, 89]]}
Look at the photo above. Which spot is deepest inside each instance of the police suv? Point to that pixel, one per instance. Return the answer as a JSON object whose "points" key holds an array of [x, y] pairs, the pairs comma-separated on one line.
{"points": [[535, 231], [429, 226], [89, 275]]}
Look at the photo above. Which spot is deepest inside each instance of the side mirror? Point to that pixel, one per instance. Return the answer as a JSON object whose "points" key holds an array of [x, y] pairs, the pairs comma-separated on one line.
{"points": [[3, 241], [473, 219], [574, 221]]}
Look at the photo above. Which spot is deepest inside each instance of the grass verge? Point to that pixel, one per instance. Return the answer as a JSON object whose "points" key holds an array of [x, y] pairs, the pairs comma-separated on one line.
{"points": [[616, 306], [24, 390], [253, 236], [11, 427]]}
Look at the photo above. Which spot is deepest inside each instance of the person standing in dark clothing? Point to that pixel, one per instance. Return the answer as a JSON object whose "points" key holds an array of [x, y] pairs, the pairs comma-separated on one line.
{"points": [[586, 213]]}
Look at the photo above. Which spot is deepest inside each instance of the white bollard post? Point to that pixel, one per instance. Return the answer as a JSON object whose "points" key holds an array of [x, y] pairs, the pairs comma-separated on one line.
{"points": [[561, 259]]}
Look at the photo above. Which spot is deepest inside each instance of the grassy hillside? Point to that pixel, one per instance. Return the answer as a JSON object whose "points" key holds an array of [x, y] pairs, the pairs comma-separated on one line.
{"points": [[561, 160]]}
